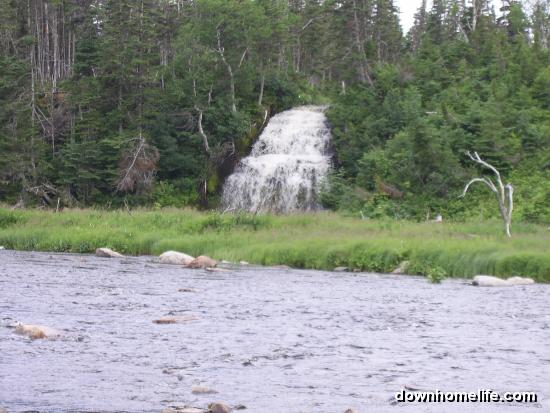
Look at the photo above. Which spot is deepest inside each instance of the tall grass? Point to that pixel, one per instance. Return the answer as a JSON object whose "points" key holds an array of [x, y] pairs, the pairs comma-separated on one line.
{"points": [[316, 241]]}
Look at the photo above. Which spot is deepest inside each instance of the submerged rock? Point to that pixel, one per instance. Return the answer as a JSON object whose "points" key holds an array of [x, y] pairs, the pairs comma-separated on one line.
{"points": [[282, 267], [184, 410], [218, 408], [202, 262], [36, 332], [107, 253], [202, 390], [176, 319], [187, 290], [175, 258], [490, 281], [211, 269]]}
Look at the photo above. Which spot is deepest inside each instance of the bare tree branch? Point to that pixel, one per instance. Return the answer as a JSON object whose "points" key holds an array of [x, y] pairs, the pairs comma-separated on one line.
{"points": [[484, 180], [504, 194]]}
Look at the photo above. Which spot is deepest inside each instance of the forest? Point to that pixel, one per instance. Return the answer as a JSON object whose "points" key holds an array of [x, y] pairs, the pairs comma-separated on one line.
{"points": [[152, 103]]}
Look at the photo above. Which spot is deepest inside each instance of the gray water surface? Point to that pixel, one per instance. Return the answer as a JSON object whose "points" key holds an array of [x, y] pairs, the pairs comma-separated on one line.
{"points": [[273, 340]]}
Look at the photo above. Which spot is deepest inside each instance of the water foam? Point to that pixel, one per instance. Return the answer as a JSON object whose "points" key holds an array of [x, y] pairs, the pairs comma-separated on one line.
{"points": [[286, 166]]}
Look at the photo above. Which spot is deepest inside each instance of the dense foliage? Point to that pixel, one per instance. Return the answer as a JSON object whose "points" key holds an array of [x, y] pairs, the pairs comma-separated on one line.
{"points": [[106, 102], [462, 84]]}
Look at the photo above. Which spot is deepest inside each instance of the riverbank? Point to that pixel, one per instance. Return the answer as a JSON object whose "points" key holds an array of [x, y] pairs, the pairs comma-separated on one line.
{"points": [[314, 241]]}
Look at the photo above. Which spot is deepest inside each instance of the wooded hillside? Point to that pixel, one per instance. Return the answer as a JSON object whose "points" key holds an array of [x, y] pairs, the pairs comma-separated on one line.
{"points": [[152, 102]]}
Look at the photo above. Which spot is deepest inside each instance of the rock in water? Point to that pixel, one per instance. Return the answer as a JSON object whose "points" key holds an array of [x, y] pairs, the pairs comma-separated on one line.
{"points": [[341, 269], [203, 262], [490, 281], [218, 408], [107, 253], [176, 258], [520, 281], [36, 332], [2, 249], [202, 390], [350, 411], [176, 319]]}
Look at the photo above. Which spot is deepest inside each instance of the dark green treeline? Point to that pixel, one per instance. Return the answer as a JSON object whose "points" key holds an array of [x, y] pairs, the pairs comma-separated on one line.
{"points": [[152, 102]]}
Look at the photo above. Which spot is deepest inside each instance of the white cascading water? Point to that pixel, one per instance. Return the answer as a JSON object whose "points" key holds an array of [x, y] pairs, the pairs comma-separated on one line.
{"points": [[286, 167]]}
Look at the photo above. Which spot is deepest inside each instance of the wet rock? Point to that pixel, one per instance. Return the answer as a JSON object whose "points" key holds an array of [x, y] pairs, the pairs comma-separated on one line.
{"points": [[520, 281], [350, 411], [210, 269], [2, 249], [244, 263], [176, 319], [218, 408], [36, 332], [107, 253], [175, 258], [240, 407], [402, 269], [203, 262], [490, 281], [187, 290], [202, 390], [341, 269], [184, 410]]}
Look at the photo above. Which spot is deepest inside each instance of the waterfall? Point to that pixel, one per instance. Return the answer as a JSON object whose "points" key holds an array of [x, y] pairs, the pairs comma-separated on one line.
{"points": [[286, 167]]}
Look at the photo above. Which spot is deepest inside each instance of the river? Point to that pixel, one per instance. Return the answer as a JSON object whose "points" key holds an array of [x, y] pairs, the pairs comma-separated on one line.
{"points": [[272, 339]]}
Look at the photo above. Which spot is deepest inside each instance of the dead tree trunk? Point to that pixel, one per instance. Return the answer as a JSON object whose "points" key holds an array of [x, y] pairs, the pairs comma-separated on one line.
{"points": [[221, 52], [504, 193]]}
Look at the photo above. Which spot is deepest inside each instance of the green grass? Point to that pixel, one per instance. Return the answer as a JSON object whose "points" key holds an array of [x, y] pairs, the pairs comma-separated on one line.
{"points": [[316, 241]]}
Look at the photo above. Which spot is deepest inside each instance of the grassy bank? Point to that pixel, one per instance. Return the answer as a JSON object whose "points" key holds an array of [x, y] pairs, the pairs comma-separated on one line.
{"points": [[317, 241]]}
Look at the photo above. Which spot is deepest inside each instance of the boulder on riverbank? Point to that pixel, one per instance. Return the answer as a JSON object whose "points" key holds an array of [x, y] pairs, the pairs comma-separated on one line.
{"points": [[203, 262], [175, 258], [490, 281], [36, 332], [402, 269], [107, 253]]}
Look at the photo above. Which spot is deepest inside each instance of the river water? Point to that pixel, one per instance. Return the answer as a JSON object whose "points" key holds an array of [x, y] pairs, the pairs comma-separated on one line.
{"points": [[273, 340]]}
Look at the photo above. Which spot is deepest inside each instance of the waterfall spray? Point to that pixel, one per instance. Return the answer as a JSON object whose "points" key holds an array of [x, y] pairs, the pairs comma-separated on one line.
{"points": [[286, 167]]}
